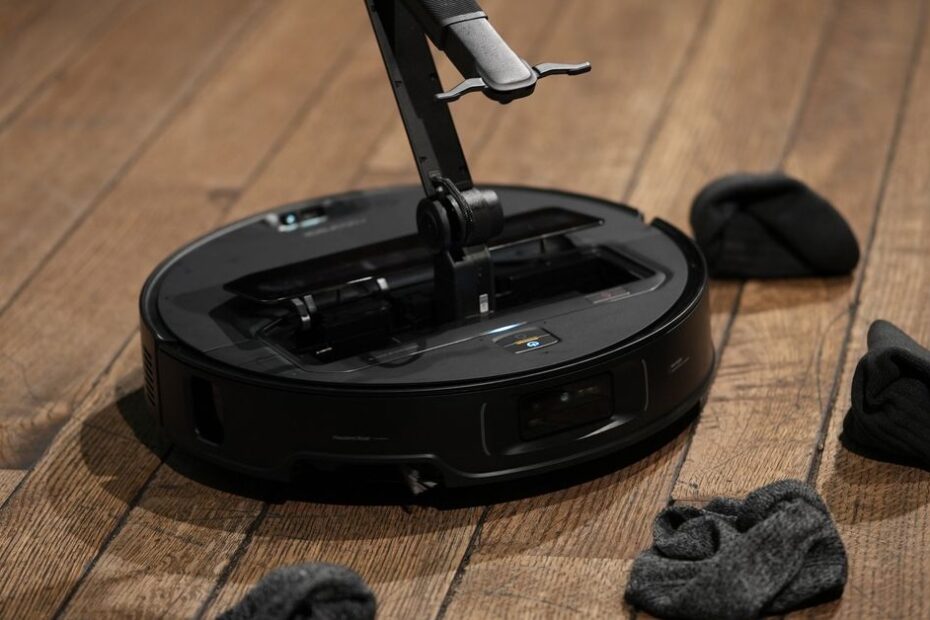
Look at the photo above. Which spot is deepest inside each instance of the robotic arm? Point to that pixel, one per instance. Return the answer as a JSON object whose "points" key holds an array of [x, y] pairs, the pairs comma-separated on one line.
{"points": [[455, 219]]}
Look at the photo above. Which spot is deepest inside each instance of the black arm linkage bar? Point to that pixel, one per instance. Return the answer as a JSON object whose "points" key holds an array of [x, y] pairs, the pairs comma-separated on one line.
{"points": [[410, 67]]}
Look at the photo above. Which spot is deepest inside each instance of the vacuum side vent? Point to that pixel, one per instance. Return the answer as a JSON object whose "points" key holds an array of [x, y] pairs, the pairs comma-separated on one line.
{"points": [[148, 369], [207, 413]]}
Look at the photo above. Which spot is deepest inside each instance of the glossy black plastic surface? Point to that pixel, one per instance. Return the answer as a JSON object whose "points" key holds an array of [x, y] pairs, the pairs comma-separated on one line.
{"points": [[459, 399]]}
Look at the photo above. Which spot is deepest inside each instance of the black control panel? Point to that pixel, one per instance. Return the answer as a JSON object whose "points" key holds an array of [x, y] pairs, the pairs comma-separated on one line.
{"points": [[527, 339]]}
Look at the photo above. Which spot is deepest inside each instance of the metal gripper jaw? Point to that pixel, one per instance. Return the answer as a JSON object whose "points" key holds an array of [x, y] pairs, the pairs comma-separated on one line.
{"points": [[462, 30], [506, 95]]}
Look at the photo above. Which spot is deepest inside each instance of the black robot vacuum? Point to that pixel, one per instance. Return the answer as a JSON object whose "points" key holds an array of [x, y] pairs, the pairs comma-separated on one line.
{"points": [[459, 334]]}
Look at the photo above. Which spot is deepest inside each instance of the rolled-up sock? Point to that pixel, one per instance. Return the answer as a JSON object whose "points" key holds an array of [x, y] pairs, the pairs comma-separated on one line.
{"points": [[770, 226], [889, 415], [306, 592], [776, 551]]}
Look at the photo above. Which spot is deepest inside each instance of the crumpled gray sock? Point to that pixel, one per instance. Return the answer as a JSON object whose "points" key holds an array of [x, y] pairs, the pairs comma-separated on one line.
{"points": [[776, 551], [889, 414], [306, 592]]}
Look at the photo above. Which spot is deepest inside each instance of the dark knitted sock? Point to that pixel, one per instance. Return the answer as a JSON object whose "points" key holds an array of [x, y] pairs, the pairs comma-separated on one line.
{"points": [[306, 592], [770, 226], [889, 416], [771, 553]]}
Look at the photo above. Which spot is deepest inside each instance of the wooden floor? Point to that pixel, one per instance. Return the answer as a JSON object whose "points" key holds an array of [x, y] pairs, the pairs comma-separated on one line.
{"points": [[128, 127]]}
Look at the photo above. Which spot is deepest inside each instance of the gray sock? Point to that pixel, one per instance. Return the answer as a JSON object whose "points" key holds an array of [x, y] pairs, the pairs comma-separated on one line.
{"points": [[773, 552], [306, 592]]}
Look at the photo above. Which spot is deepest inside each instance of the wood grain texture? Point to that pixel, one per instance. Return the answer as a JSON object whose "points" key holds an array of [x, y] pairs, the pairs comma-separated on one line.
{"points": [[184, 182], [165, 558], [476, 118], [588, 134], [184, 579], [97, 114], [781, 360], [882, 510], [410, 554], [565, 553], [56, 520], [278, 101], [531, 556], [406, 554], [28, 60], [9, 480], [17, 15], [420, 588], [346, 142]]}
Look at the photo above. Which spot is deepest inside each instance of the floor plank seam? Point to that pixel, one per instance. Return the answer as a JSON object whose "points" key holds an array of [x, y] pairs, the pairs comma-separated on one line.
{"points": [[816, 66], [463, 564], [266, 505], [72, 56], [35, 17], [261, 166], [106, 369], [263, 163], [230, 566], [15, 490], [354, 180], [535, 48], [816, 63], [275, 148], [249, 549], [123, 519], [724, 341], [668, 98], [827, 413], [248, 22], [492, 124], [290, 128]]}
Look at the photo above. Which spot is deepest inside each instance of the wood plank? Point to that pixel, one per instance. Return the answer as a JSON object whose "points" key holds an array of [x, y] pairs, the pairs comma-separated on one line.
{"points": [[9, 480], [197, 541], [61, 515], [197, 550], [428, 542], [187, 177], [777, 377], [564, 553], [883, 510], [533, 554], [327, 150], [51, 526], [476, 118], [26, 58], [407, 554], [321, 160], [411, 573], [98, 114], [16, 15], [200, 551], [172, 548]]}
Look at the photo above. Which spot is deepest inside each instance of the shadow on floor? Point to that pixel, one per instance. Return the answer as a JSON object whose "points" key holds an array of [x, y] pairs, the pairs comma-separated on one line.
{"points": [[359, 490], [863, 490], [784, 293], [120, 445]]}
